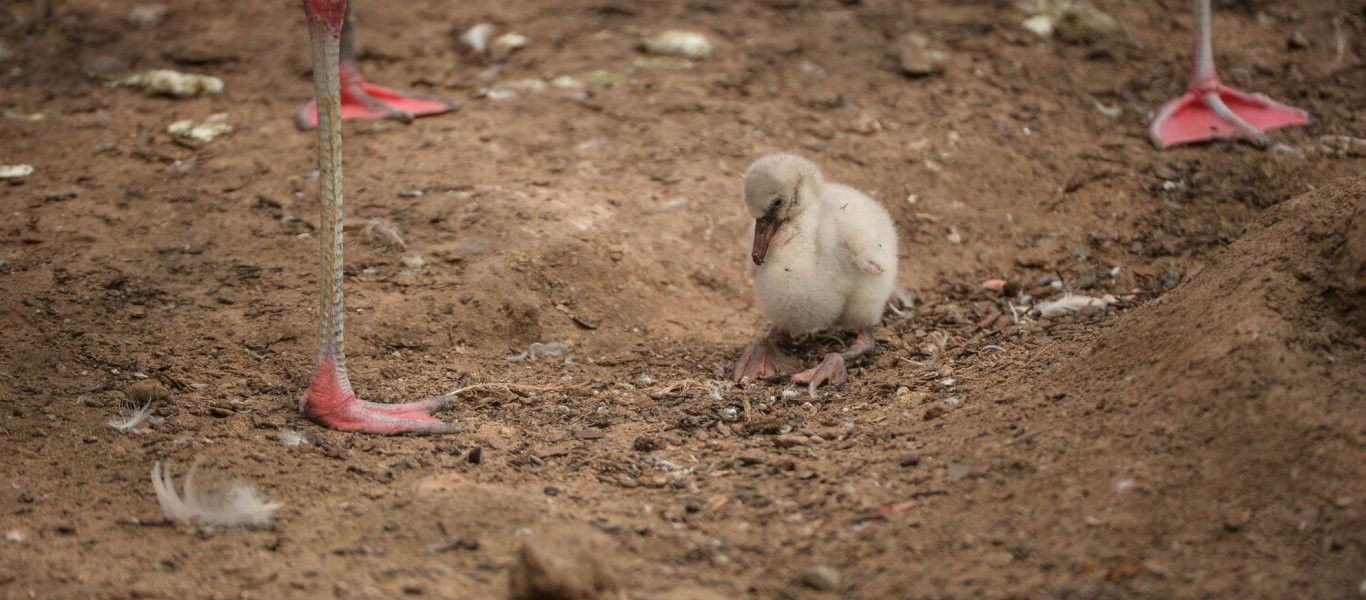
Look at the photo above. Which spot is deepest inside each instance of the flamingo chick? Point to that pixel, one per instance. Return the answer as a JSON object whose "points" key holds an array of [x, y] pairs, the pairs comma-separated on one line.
{"points": [[362, 100], [329, 400], [824, 257]]}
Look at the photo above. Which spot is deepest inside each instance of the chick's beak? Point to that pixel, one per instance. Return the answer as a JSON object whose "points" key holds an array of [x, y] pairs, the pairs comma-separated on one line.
{"points": [[764, 228]]}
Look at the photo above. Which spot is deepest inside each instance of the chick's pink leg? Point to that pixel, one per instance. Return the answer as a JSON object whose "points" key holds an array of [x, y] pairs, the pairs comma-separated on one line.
{"points": [[759, 361], [832, 369]]}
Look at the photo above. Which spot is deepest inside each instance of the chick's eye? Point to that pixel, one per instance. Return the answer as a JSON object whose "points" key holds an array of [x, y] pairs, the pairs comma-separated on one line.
{"points": [[777, 200]]}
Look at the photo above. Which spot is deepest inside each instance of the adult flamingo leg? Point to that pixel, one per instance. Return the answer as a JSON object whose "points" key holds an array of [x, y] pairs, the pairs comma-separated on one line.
{"points": [[330, 400], [1210, 110], [362, 100]]}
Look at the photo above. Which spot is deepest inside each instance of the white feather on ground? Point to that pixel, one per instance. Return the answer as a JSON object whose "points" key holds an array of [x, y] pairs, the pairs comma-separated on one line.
{"points": [[291, 438], [1071, 304], [537, 350], [234, 505], [130, 416]]}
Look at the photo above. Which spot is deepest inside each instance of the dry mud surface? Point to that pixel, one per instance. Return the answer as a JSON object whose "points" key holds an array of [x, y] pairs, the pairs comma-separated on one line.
{"points": [[1204, 436]]}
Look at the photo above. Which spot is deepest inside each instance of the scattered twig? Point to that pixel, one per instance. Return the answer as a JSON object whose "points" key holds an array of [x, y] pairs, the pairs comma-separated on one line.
{"points": [[509, 387]]}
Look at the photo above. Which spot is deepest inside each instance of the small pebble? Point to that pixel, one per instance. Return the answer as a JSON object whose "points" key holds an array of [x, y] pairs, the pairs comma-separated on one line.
{"points": [[1297, 40], [918, 57], [686, 44], [957, 471], [821, 577], [1000, 558], [147, 391], [1237, 520], [504, 45], [15, 171], [589, 433], [172, 83]]}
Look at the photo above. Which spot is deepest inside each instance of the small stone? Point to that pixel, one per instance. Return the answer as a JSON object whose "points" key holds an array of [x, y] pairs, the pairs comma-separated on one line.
{"points": [[15, 171], [1237, 520], [1166, 173], [1297, 41], [551, 490], [146, 15], [999, 558], [821, 577], [1032, 259], [172, 83], [200, 132], [911, 461], [918, 57], [957, 471], [147, 391], [476, 456], [646, 443], [566, 562], [504, 45], [1039, 25], [1083, 23], [589, 433], [686, 44], [476, 39], [934, 412]]}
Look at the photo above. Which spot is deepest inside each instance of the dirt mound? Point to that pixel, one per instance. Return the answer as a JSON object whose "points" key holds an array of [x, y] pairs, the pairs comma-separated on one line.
{"points": [[1251, 375], [1230, 415], [1348, 288], [565, 563]]}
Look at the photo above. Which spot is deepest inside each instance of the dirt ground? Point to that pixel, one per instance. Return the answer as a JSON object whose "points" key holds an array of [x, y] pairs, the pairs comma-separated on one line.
{"points": [[1203, 436]]}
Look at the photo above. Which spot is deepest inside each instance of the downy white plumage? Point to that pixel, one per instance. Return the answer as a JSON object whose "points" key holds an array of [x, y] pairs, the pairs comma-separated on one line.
{"points": [[823, 257]]}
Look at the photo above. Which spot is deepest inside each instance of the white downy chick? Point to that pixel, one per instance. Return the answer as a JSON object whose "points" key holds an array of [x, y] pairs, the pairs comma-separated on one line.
{"points": [[823, 257], [824, 254]]}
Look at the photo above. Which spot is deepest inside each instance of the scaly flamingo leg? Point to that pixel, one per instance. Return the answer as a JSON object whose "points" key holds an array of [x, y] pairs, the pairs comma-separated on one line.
{"points": [[1210, 110], [329, 400]]}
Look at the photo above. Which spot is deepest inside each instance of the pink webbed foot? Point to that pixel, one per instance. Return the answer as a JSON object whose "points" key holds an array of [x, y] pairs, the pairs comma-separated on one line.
{"points": [[331, 403], [759, 361], [361, 100], [1211, 110], [831, 370]]}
